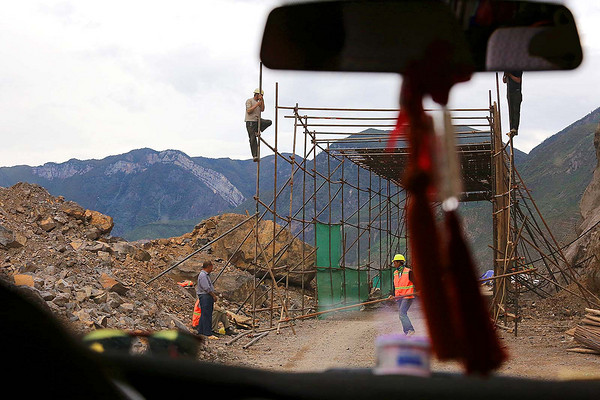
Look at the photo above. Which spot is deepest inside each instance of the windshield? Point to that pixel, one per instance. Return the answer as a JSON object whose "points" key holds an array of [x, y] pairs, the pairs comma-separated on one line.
{"points": [[135, 200]]}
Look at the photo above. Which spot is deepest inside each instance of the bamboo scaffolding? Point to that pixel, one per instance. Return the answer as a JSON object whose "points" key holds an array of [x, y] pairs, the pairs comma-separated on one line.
{"points": [[316, 314], [372, 221]]}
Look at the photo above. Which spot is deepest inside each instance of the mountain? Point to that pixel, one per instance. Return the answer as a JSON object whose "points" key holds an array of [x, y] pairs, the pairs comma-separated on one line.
{"points": [[153, 194], [558, 170], [587, 247], [137, 188]]}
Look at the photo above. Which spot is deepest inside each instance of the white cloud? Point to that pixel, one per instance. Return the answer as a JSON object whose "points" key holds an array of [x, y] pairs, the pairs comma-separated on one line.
{"points": [[87, 79]]}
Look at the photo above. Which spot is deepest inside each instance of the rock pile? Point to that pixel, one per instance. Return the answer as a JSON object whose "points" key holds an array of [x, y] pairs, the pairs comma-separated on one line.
{"points": [[63, 253], [65, 256], [586, 250], [294, 259]]}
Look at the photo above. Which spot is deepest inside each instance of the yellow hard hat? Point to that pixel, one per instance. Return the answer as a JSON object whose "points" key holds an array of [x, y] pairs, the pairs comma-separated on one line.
{"points": [[257, 91], [399, 257]]}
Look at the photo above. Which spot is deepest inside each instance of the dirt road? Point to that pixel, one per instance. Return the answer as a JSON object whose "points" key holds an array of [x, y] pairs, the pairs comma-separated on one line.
{"points": [[347, 340]]}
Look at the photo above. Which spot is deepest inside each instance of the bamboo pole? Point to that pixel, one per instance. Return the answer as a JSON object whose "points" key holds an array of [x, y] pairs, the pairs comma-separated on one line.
{"points": [[525, 271], [221, 236], [315, 314], [256, 339], [270, 271]]}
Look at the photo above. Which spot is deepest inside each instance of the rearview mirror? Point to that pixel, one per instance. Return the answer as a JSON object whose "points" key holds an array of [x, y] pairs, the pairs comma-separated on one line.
{"points": [[389, 36]]}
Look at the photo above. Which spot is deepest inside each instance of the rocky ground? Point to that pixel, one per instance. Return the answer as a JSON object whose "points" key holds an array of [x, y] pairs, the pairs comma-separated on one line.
{"points": [[64, 255], [347, 340]]}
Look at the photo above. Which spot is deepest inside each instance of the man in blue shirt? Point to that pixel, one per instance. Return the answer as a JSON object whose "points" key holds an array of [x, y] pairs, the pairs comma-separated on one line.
{"points": [[207, 297]]}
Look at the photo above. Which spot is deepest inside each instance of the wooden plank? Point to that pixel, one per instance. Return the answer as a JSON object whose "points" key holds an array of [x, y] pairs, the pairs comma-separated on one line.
{"points": [[592, 311], [583, 350], [593, 318], [238, 337], [240, 320], [256, 339], [589, 337], [590, 322]]}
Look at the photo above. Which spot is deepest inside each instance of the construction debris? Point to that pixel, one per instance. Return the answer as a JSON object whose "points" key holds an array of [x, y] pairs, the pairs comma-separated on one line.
{"points": [[239, 320], [256, 339], [587, 335], [63, 256]]}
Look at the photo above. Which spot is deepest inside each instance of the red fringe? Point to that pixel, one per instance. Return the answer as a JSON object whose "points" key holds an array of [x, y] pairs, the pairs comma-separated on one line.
{"points": [[424, 240], [478, 343], [399, 130], [428, 274], [459, 323]]}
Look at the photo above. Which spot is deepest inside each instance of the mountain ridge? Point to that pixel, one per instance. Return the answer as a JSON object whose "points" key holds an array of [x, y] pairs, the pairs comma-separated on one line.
{"points": [[145, 190]]}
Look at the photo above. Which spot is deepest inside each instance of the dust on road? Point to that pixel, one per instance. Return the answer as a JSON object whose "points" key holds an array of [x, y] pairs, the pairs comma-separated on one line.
{"points": [[347, 340], [343, 340]]}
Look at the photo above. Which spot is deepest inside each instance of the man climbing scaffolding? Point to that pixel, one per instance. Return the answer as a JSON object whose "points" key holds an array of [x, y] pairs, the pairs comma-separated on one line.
{"points": [[514, 97], [254, 106]]}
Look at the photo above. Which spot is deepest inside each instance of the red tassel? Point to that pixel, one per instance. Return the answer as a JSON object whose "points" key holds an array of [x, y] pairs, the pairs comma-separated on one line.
{"points": [[423, 236], [399, 130], [459, 323], [478, 343], [427, 268]]}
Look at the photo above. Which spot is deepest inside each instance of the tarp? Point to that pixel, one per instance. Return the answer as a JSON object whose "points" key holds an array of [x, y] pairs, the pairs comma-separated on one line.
{"points": [[330, 278], [337, 286], [487, 274], [328, 256]]}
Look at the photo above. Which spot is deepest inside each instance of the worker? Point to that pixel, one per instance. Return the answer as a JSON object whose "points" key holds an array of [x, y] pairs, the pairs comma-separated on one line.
{"points": [[403, 286], [254, 106], [513, 80], [219, 315], [207, 297]]}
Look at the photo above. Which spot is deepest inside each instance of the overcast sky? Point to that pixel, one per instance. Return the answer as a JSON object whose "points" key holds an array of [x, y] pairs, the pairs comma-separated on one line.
{"points": [[88, 79]]}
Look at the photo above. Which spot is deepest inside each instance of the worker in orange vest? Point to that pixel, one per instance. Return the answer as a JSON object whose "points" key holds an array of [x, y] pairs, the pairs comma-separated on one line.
{"points": [[403, 286]]}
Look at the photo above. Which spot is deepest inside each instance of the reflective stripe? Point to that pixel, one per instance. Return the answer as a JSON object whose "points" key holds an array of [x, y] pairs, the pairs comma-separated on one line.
{"points": [[402, 284], [196, 314]]}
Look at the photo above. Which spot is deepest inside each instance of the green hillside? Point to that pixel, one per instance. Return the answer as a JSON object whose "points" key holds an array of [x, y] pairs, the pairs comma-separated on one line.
{"points": [[557, 172], [157, 230]]}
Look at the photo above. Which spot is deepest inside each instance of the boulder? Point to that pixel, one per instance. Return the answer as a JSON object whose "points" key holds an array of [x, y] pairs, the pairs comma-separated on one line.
{"points": [[61, 299], [588, 245], [97, 247], [288, 250], [47, 223], [114, 300], [10, 239], [123, 249], [84, 316], [237, 286], [92, 233], [589, 207], [111, 284], [6, 236], [127, 307], [73, 210], [77, 244], [103, 222], [23, 280]]}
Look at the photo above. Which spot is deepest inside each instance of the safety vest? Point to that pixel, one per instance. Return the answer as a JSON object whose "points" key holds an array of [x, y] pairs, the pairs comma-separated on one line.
{"points": [[402, 284], [196, 314]]}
